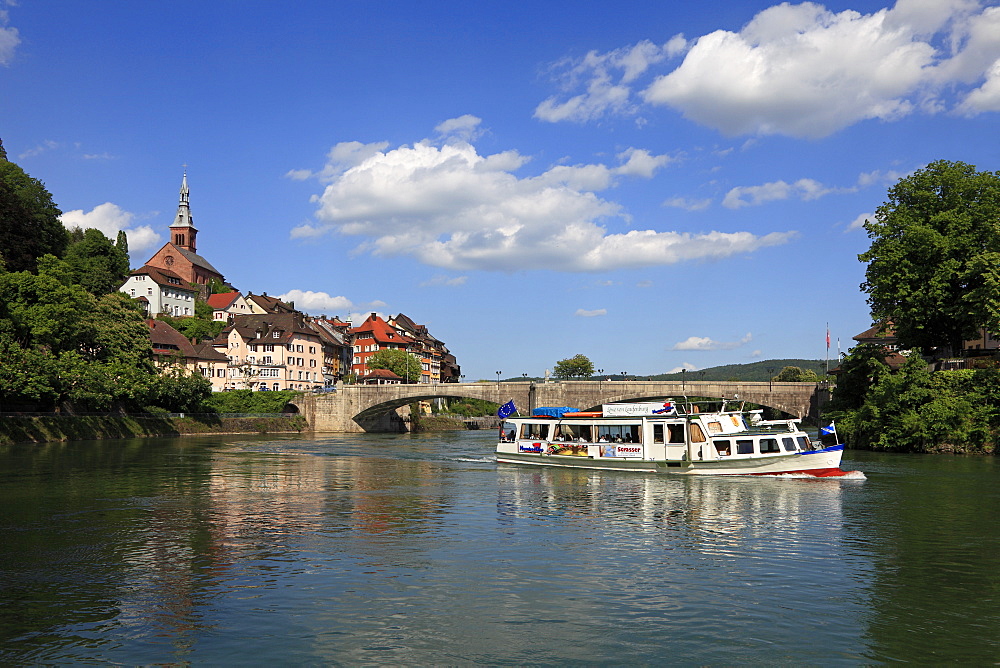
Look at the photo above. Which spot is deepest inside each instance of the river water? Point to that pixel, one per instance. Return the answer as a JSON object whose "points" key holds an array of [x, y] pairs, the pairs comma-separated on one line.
{"points": [[417, 550]]}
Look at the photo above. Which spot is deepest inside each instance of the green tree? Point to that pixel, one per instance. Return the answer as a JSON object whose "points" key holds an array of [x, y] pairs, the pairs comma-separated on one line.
{"points": [[862, 368], [794, 374], [98, 265], [197, 328], [934, 261], [400, 362], [578, 366], [29, 220]]}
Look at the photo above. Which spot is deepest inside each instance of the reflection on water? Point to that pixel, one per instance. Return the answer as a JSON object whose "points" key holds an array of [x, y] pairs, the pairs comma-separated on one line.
{"points": [[422, 550]]}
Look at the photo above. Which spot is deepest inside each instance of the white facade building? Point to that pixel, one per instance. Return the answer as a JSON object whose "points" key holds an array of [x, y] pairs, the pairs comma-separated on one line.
{"points": [[160, 291]]}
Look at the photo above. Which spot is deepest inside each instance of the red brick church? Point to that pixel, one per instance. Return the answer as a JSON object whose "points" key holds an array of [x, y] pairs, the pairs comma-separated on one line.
{"points": [[180, 254]]}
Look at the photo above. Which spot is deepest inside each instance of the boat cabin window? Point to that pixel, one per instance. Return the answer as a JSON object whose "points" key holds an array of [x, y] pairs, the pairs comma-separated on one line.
{"points": [[697, 435], [769, 445], [789, 443], [508, 431], [619, 433], [744, 447], [722, 446], [804, 443], [581, 433], [657, 433], [714, 427], [535, 431], [675, 433]]}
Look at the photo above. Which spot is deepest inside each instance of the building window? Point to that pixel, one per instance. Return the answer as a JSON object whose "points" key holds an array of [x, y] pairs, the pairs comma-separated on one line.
{"points": [[269, 348], [312, 350], [275, 334], [298, 349]]}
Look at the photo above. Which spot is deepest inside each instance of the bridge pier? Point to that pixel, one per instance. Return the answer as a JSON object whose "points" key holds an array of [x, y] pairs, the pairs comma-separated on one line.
{"points": [[374, 408]]}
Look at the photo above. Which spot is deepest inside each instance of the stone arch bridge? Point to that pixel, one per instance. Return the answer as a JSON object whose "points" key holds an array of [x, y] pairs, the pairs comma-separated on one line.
{"points": [[372, 408]]}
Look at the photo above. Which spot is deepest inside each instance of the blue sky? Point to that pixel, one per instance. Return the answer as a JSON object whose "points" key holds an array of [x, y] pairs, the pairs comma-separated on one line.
{"points": [[657, 185]]}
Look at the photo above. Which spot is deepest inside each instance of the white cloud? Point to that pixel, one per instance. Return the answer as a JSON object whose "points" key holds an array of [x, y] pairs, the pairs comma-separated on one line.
{"points": [[687, 366], [445, 281], [9, 39], [688, 204], [110, 219], [640, 162], [46, 145], [463, 128], [316, 302], [801, 70], [859, 222], [607, 76], [584, 313], [703, 343], [804, 189], [447, 206], [987, 96], [298, 174]]}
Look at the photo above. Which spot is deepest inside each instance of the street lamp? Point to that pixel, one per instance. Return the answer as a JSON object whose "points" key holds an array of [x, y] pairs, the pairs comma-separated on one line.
{"points": [[498, 383], [683, 380], [525, 376], [600, 381], [770, 378], [624, 375]]}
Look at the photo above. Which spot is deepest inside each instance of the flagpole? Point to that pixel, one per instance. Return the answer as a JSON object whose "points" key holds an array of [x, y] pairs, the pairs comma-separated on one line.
{"points": [[827, 349]]}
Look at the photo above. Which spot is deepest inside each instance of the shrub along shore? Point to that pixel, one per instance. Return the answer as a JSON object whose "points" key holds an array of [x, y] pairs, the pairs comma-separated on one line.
{"points": [[45, 429]]}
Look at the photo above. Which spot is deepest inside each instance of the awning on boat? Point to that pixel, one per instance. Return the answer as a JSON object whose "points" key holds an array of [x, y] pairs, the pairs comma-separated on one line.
{"points": [[552, 411]]}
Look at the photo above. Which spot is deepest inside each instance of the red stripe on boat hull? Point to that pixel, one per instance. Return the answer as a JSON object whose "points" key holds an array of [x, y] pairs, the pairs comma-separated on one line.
{"points": [[816, 473]]}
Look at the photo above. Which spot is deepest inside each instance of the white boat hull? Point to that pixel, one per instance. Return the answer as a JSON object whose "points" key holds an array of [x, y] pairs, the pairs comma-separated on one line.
{"points": [[819, 463]]}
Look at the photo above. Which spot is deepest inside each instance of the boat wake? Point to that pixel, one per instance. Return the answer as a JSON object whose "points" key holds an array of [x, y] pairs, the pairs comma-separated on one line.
{"points": [[477, 460], [846, 475]]}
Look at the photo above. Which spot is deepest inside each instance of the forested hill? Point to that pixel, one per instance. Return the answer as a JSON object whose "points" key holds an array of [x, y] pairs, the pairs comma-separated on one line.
{"points": [[755, 371]]}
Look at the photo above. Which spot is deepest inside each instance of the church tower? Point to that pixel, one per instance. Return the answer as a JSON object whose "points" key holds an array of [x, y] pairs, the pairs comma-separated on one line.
{"points": [[183, 232]]}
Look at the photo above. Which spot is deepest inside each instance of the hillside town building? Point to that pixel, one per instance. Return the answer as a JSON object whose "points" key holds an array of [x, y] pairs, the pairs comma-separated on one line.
{"points": [[160, 291], [266, 344]]}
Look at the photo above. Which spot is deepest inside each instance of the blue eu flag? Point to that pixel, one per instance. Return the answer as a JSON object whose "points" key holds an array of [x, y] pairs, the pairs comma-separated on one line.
{"points": [[507, 409]]}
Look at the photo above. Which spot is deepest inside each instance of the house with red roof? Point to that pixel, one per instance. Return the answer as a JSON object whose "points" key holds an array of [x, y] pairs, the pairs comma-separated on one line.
{"points": [[227, 304], [372, 335], [172, 350]]}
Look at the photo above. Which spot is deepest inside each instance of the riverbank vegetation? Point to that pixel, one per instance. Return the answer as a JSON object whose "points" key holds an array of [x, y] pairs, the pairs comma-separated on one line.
{"points": [[933, 278]]}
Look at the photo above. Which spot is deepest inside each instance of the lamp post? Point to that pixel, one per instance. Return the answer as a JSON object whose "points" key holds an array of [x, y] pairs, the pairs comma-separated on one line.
{"points": [[624, 375], [600, 382], [498, 384], [770, 378], [683, 381], [525, 376]]}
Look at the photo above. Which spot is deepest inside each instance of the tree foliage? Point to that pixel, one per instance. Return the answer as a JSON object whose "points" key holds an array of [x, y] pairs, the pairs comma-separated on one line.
{"points": [[934, 261], [794, 374], [403, 364], [916, 410], [29, 220], [246, 401], [98, 264], [578, 366], [196, 327]]}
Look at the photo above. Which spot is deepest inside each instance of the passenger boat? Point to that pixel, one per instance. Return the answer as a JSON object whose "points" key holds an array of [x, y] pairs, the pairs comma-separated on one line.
{"points": [[668, 437]]}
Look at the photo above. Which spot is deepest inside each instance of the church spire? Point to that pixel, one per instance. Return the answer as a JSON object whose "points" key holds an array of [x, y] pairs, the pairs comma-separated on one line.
{"points": [[183, 232]]}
